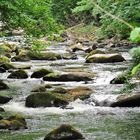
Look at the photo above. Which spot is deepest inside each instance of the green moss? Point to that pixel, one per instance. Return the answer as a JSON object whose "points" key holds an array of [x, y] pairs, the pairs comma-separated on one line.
{"points": [[40, 73]]}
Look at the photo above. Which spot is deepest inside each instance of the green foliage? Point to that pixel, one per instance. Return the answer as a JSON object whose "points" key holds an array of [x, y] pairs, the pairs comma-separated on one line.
{"points": [[128, 87], [136, 71], [38, 45], [125, 10], [135, 35], [61, 10], [135, 53], [34, 16]]}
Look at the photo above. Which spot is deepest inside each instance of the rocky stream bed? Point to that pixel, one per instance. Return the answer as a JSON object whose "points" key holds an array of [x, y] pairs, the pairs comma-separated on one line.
{"points": [[88, 107]]}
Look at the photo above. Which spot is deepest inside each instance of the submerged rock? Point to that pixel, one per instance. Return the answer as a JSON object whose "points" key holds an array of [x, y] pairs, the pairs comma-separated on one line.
{"points": [[64, 132], [19, 74], [104, 58], [73, 76], [40, 73], [130, 100], [3, 85], [15, 122], [4, 99]]}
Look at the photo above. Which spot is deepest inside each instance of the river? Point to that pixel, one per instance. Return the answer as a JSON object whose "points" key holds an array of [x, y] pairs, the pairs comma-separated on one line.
{"points": [[94, 122]]}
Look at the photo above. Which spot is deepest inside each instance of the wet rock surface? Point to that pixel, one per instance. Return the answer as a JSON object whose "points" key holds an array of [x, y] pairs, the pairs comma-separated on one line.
{"points": [[64, 132], [3, 85], [19, 74], [105, 58], [4, 99], [130, 100], [15, 122], [75, 76]]}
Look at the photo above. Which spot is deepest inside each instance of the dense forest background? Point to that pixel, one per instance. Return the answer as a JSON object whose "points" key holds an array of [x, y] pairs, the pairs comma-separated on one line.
{"points": [[41, 17]]}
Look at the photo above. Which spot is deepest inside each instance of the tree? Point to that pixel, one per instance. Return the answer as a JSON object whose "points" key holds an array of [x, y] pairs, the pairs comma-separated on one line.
{"points": [[125, 10], [34, 16]]}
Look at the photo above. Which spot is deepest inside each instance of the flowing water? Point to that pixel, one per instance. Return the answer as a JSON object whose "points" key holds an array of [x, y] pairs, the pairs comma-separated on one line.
{"points": [[94, 122]]}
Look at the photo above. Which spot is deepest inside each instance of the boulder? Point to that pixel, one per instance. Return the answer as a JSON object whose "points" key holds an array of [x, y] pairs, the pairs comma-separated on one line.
{"points": [[15, 122], [19, 74], [3, 85], [73, 76], [94, 52], [120, 79], [7, 66], [80, 92], [64, 132], [2, 70], [48, 99], [5, 48], [33, 55], [40, 73], [104, 58], [4, 59], [4, 99], [129, 100], [58, 97], [78, 47]]}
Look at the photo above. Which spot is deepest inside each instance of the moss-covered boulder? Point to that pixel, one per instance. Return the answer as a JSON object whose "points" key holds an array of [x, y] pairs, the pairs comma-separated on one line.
{"points": [[19, 74], [80, 92], [4, 59], [120, 79], [73, 76], [128, 100], [64, 132], [7, 66], [104, 58], [5, 48], [4, 99], [2, 70], [40, 73], [36, 55], [15, 122], [3, 85], [47, 99], [94, 52]]}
